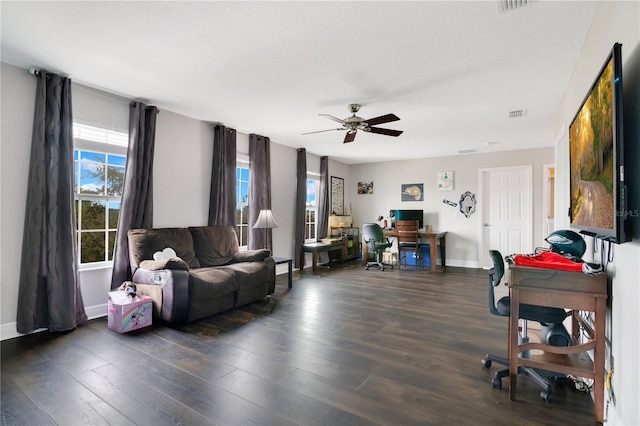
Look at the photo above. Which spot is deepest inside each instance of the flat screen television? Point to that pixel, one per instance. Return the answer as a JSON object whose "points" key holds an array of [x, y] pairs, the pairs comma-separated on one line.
{"points": [[596, 153], [409, 215]]}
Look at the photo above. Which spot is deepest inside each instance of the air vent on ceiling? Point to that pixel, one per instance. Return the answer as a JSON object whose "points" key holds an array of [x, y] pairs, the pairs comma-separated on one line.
{"points": [[467, 151], [508, 5], [517, 113]]}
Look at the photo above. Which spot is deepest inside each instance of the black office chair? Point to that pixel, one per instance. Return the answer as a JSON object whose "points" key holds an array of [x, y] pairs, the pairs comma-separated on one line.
{"points": [[376, 244], [550, 318]]}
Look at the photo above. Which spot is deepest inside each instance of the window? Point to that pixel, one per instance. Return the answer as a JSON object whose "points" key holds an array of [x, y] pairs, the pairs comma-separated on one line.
{"points": [[99, 163], [242, 204], [310, 215]]}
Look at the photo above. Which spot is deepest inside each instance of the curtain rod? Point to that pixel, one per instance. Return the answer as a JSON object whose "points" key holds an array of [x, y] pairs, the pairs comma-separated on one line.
{"points": [[35, 71]]}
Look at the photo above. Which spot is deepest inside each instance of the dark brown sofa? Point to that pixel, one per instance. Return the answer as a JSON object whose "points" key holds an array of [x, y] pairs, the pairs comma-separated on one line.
{"points": [[209, 275]]}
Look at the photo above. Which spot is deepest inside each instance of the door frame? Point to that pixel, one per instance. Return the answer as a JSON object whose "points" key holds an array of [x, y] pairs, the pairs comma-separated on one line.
{"points": [[483, 257]]}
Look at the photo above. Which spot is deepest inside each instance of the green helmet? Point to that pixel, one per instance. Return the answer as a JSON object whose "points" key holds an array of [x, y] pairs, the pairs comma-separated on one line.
{"points": [[567, 242]]}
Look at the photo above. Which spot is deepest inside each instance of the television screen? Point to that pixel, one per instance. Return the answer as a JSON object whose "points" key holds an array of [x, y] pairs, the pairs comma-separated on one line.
{"points": [[410, 215], [596, 157]]}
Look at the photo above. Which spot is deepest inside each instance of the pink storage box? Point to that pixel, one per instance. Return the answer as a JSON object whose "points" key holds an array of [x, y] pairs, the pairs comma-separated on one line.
{"points": [[130, 316]]}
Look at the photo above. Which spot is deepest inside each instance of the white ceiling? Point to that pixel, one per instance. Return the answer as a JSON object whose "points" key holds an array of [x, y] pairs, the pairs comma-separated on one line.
{"points": [[450, 70]]}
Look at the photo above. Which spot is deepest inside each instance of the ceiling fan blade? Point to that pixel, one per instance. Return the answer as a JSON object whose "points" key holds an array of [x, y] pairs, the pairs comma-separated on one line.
{"points": [[320, 131], [331, 117], [388, 132], [382, 119], [349, 137]]}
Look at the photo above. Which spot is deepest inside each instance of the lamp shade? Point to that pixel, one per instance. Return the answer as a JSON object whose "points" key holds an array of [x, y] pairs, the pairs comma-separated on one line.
{"points": [[265, 220]]}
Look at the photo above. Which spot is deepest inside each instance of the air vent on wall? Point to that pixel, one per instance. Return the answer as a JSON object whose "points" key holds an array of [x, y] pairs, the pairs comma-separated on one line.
{"points": [[517, 113], [508, 5]]}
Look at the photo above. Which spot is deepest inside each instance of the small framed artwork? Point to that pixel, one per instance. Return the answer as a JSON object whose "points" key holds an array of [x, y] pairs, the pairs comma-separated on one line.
{"points": [[412, 192], [445, 181], [365, 187], [337, 195]]}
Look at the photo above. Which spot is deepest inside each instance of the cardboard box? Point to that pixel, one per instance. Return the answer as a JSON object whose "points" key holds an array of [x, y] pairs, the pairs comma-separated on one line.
{"points": [[426, 257], [129, 316]]}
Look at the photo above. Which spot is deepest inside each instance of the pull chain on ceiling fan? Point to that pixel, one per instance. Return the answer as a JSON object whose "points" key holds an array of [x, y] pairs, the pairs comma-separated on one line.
{"points": [[354, 123]]}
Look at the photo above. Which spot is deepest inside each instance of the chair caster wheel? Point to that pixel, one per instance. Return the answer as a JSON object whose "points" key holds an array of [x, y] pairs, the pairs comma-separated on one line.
{"points": [[486, 363], [496, 383], [545, 396]]}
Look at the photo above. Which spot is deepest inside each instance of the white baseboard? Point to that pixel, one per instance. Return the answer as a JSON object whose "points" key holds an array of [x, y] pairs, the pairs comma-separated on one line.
{"points": [[9, 330]]}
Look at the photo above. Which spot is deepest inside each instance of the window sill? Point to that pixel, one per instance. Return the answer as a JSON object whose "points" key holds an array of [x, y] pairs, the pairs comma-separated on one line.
{"points": [[95, 266]]}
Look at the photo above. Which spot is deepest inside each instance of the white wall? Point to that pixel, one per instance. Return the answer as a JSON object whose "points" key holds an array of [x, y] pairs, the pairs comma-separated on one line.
{"points": [[615, 22], [463, 233], [182, 178], [16, 115]]}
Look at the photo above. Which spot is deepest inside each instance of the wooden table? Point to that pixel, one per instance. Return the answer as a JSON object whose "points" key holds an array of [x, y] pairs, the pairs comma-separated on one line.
{"points": [[569, 290], [433, 237], [319, 247]]}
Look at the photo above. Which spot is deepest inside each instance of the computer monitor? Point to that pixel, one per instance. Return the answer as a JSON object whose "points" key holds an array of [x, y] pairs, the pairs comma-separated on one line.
{"points": [[409, 215]]}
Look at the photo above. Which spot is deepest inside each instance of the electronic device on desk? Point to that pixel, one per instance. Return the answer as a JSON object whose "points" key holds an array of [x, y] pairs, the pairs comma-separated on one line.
{"points": [[598, 205], [410, 215]]}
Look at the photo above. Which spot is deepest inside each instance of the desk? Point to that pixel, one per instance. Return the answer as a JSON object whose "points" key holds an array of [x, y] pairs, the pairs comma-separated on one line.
{"points": [[561, 289], [281, 260], [319, 247], [434, 238]]}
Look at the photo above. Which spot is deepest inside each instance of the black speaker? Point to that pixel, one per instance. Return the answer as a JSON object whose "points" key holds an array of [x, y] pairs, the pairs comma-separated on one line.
{"points": [[555, 334]]}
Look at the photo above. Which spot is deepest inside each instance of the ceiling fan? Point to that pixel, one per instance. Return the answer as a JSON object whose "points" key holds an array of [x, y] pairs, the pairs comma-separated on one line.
{"points": [[354, 123]]}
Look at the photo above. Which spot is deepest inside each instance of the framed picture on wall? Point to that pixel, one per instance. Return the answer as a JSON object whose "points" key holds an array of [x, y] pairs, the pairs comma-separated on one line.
{"points": [[365, 187], [337, 195], [412, 192], [445, 181]]}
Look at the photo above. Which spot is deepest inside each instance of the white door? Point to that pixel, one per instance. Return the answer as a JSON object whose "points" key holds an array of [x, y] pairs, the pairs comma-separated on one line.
{"points": [[506, 219]]}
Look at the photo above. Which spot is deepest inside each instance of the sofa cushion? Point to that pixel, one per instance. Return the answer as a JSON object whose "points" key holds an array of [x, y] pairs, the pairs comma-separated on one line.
{"points": [[207, 283], [143, 243], [170, 263], [214, 245], [251, 255]]}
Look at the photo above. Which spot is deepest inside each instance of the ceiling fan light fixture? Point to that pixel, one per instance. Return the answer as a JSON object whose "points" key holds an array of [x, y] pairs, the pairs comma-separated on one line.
{"points": [[354, 123]]}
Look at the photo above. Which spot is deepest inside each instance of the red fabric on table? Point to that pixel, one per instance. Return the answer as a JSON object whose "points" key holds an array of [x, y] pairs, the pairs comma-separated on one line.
{"points": [[547, 259]]}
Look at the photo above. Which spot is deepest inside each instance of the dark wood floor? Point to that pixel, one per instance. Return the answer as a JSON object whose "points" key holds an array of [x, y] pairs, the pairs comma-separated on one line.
{"points": [[345, 346]]}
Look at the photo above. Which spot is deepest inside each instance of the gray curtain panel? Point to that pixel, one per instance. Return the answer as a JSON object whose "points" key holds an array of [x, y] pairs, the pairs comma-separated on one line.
{"points": [[322, 219], [323, 203], [136, 209], [222, 199], [49, 293], [259, 189], [301, 207]]}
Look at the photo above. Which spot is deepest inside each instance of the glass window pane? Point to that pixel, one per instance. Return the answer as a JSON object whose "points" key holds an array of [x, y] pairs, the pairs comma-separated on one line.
{"points": [[93, 215], [117, 160], [311, 192], [92, 247], [244, 174], [112, 244], [115, 180], [244, 216], [92, 173], [114, 214], [244, 193], [93, 157]]}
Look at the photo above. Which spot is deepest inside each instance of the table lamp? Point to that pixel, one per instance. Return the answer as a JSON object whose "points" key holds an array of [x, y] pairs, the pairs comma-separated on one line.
{"points": [[265, 221]]}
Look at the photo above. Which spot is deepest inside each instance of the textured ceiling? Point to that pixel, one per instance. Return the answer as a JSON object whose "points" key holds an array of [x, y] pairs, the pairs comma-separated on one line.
{"points": [[450, 70]]}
